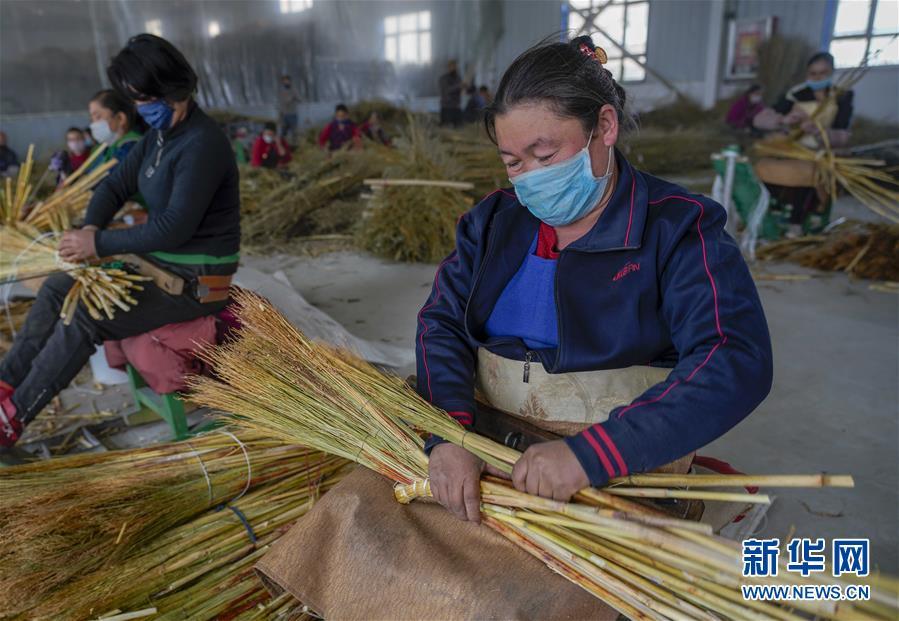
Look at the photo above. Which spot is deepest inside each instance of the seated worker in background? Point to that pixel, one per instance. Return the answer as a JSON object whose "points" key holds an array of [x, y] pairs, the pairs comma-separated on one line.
{"points": [[114, 121], [744, 109], [477, 101], [269, 149], [794, 186], [69, 160], [373, 130], [239, 145], [193, 232], [9, 161], [340, 131], [816, 97]]}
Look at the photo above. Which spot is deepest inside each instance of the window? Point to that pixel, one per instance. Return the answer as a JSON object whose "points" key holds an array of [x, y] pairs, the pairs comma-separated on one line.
{"points": [[407, 38], [214, 29], [154, 27], [623, 21], [295, 6], [866, 29]]}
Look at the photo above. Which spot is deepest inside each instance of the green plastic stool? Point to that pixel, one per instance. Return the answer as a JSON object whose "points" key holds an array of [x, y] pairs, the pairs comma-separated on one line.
{"points": [[168, 406]]}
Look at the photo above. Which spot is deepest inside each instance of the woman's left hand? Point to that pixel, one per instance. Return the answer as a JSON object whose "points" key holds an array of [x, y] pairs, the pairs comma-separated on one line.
{"points": [[551, 470], [78, 245]]}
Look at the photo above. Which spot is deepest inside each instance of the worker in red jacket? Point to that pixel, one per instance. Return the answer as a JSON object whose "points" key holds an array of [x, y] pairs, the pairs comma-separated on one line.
{"points": [[270, 150], [340, 131]]}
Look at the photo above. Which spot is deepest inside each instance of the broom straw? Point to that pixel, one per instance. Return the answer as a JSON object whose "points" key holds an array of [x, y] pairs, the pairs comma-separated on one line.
{"points": [[276, 381]]}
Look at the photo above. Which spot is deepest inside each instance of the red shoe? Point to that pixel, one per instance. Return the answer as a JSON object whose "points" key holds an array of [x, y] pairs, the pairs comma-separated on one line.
{"points": [[10, 427]]}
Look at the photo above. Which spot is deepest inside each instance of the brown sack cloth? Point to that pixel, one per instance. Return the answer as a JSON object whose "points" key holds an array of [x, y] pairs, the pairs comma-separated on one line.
{"points": [[359, 554]]}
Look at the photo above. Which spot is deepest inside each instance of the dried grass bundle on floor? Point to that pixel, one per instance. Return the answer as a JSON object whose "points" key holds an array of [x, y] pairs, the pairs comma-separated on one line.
{"points": [[644, 564], [674, 151], [24, 252], [416, 223], [256, 184], [64, 518], [56, 212], [862, 249], [782, 63], [413, 224], [478, 159], [187, 572], [320, 179]]}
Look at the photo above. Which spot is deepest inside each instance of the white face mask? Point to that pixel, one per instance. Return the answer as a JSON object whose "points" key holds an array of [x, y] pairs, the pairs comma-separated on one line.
{"points": [[76, 146], [268, 139], [101, 132]]}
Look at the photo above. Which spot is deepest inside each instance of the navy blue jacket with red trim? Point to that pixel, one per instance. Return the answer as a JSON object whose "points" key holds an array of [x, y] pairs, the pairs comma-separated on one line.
{"points": [[656, 281]]}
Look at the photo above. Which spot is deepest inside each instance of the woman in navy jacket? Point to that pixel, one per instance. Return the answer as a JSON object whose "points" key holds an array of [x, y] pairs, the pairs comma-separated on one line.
{"points": [[587, 267]]}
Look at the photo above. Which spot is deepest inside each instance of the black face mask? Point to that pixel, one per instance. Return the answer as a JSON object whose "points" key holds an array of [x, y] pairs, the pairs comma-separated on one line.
{"points": [[286, 85]]}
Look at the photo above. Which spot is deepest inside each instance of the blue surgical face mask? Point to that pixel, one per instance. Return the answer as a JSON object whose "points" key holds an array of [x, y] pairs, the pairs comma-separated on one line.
{"points": [[158, 114], [565, 192], [818, 85]]}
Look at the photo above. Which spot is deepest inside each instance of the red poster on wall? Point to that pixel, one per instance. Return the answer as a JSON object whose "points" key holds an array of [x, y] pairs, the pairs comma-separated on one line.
{"points": [[745, 37]]}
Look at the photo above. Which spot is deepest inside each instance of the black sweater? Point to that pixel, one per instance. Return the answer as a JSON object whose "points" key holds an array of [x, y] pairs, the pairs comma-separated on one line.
{"points": [[192, 196]]}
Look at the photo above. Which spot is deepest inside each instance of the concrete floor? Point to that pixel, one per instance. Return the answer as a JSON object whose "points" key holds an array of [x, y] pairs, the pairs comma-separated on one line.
{"points": [[833, 406]]}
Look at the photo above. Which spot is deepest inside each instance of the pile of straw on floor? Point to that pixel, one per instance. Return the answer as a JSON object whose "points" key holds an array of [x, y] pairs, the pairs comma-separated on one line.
{"points": [[416, 222], [862, 249], [644, 564], [315, 180], [175, 528]]}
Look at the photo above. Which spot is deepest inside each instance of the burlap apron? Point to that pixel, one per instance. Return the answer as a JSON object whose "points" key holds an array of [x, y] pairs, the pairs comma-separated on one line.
{"points": [[564, 403], [358, 554]]}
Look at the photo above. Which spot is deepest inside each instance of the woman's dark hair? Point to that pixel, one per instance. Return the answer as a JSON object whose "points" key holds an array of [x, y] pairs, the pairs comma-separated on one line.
{"points": [[341, 108], [115, 103], [75, 130], [567, 76], [150, 67], [825, 56], [269, 126]]}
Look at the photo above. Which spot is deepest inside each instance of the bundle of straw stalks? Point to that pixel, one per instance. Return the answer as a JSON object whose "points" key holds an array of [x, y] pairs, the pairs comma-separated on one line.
{"points": [[477, 158], [67, 517], [644, 564], [25, 252], [876, 189], [782, 64], [416, 222], [652, 149], [319, 180], [55, 213], [256, 184], [861, 249], [201, 568]]}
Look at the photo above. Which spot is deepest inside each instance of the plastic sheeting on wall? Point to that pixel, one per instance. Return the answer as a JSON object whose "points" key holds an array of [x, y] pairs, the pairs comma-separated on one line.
{"points": [[53, 53]]}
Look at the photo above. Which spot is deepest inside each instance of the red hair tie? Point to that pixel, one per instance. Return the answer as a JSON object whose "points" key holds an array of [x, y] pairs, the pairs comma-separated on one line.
{"points": [[596, 53]]}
